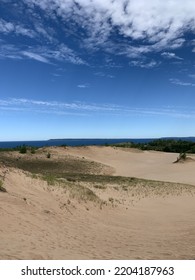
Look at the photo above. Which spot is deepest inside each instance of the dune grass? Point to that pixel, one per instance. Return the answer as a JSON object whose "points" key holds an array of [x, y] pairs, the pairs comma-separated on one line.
{"points": [[84, 180], [2, 189]]}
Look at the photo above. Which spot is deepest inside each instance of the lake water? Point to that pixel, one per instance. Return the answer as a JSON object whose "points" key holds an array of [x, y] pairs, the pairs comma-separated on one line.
{"points": [[69, 142], [79, 142]]}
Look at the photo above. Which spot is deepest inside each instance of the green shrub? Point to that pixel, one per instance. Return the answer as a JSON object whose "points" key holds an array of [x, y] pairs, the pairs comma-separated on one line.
{"points": [[2, 189], [182, 156], [48, 155], [23, 149], [32, 150]]}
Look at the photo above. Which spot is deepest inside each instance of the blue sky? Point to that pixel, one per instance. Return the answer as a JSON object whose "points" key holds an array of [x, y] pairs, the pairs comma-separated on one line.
{"points": [[97, 69]]}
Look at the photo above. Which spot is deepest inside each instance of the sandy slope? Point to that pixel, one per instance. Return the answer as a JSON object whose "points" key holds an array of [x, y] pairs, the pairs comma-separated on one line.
{"points": [[41, 222], [141, 164]]}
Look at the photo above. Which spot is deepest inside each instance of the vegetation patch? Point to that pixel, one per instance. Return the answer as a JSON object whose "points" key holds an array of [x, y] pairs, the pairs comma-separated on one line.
{"points": [[101, 187], [84, 181], [48, 155], [163, 145], [22, 149], [67, 165], [2, 189], [77, 191]]}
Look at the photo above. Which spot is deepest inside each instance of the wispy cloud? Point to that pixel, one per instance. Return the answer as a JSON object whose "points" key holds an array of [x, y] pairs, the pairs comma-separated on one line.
{"points": [[81, 108], [102, 74], [9, 51], [46, 54], [192, 76], [6, 27], [56, 75], [170, 55], [145, 27], [9, 27], [181, 83], [83, 85], [143, 64], [159, 23], [36, 57]]}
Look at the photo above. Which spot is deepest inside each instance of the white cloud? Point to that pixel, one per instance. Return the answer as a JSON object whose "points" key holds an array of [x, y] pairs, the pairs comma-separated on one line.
{"points": [[181, 83], [36, 57], [160, 23], [102, 74], [144, 64], [52, 53], [144, 27], [9, 51], [44, 54], [6, 27], [19, 30], [83, 86], [45, 32], [170, 55], [9, 27], [80, 108], [63, 53]]}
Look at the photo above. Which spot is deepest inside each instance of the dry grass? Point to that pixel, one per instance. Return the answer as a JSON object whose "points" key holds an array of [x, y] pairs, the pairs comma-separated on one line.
{"points": [[40, 164], [2, 189], [124, 190], [84, 179]]}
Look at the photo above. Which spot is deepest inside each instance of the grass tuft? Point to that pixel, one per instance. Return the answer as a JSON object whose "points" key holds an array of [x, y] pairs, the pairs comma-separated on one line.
{"points": [[2, 189]]}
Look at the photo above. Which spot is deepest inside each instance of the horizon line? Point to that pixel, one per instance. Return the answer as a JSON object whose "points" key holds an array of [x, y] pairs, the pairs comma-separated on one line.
{"points": [[106, 138]]}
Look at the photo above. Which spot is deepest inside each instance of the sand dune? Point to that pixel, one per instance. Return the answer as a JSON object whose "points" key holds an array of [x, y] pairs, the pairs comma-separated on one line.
{"points": [[142, 164], [39, 221]]}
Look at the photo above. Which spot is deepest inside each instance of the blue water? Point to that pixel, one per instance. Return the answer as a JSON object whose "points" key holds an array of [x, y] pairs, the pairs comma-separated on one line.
{"points": [[69, 142], [79, 142]]}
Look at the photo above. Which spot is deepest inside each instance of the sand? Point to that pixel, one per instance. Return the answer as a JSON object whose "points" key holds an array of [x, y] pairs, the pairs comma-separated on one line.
{"points": [[39, 221], [141, 164]]}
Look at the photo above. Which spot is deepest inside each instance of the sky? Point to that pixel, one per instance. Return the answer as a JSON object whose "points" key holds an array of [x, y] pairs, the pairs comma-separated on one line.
{"points": [[97, 69]]}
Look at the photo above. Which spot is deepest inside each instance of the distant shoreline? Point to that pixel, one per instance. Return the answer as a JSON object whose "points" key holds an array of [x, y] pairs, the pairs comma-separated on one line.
{"points": [[84, 142]]}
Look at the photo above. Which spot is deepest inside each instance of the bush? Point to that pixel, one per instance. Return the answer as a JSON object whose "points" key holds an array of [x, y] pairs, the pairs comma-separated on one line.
{"points": [[182, 156], [48, 155], [32, 150], [23, 149], [2, 189]]}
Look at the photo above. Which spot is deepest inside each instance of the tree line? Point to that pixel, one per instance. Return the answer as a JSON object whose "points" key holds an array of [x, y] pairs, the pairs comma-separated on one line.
{"points": [[163, 145]]}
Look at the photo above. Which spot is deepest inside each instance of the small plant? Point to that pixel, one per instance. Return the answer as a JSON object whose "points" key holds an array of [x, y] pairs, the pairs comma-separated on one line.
{"points": [[64, 146], [125, 188], [101, 187], [23, 149], [48, 155], [50, 179], [71, 180], [32, 150], [2, 189], [111, 200], [182, 156]]}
